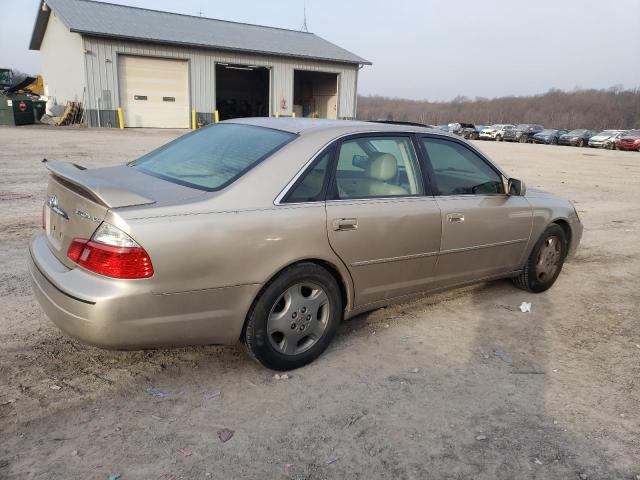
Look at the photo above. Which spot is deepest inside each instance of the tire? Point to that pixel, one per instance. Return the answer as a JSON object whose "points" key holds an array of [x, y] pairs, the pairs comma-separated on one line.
{"points": [[523, 139], [545, 261], [581, 142], [611, 146], [554, 141], [498, 138], [286, 307]]}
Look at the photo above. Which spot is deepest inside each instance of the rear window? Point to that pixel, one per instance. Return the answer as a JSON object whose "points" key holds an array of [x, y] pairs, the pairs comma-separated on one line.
{"points": [[213, 157]]}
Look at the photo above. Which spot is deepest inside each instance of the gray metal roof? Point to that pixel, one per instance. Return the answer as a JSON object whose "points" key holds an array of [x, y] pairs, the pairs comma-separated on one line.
{"points": [[141, 24]]}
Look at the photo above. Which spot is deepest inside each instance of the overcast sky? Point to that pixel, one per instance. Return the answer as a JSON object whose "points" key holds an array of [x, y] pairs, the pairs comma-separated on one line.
{"points": [[429, 49]]}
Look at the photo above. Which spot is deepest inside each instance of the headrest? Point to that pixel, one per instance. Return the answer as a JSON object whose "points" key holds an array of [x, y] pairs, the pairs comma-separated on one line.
{"points": [[382, 166]]}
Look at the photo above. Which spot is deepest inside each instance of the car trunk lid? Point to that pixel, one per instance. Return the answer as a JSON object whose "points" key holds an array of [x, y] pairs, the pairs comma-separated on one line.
{"points": [[78, 199]]}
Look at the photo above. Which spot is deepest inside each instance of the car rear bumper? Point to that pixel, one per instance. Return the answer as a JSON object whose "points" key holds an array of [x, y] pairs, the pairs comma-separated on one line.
{"points": [[127, 314]]}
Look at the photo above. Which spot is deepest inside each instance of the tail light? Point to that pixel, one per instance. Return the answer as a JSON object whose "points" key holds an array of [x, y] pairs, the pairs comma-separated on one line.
{"points": [[112, 253]]}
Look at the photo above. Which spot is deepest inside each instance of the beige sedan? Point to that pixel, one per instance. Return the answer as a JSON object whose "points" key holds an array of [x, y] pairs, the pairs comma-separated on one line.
{"points": [[272, 231]]}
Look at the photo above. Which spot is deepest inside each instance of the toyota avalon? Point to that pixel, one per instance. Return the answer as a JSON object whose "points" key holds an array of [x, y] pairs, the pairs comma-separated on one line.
{"points": [[272, 231]]}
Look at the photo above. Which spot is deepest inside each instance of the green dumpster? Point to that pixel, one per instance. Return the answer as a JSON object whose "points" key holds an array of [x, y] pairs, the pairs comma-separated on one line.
{"points": [[16, 109]]}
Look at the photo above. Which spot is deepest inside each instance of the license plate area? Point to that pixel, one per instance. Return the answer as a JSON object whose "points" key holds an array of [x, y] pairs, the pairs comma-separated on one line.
{"points": [[55, 227]]}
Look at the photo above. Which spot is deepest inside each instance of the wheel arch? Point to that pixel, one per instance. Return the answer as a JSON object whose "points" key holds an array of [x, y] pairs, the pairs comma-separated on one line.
{"points": [[564, 224], [344, 284]]}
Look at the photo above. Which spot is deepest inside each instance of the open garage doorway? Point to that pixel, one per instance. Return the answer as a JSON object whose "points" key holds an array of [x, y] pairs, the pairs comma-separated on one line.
{"points": [[315, 94], [242, 91]]}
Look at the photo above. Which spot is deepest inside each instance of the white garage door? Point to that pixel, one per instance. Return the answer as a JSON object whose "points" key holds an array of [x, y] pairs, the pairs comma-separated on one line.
{"points": [[154, 92]]}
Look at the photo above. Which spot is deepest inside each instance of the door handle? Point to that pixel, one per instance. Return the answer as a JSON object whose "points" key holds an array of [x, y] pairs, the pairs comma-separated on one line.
{"points": [[455, 217], [345, 224]]}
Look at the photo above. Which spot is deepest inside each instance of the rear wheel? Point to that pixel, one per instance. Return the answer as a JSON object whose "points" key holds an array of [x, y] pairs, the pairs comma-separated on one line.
{"points": [[295, 318], [545, 261]]}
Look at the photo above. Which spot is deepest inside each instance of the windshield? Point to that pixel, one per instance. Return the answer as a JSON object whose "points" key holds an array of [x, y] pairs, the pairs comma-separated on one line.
{"points": [[212, 157], [577, 132], [5, 76]]}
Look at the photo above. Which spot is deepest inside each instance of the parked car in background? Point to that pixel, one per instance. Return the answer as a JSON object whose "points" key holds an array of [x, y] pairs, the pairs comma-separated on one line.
{"points": [[576, 138], [606, 139], [629, 141], [469, 131], [495, 132], [459, 128], [522, 133], [548, 136], [444, 128], [272, 231]]}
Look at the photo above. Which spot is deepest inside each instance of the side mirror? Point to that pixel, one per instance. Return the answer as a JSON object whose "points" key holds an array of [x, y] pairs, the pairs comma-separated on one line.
{"points": [[516, 187]]}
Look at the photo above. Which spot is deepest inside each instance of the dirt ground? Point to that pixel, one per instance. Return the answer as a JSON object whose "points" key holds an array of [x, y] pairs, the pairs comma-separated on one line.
{"points": [[497, 394]]}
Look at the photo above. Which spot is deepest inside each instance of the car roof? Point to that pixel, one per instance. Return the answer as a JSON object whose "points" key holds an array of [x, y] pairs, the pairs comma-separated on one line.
{"points": [[306, 125]]}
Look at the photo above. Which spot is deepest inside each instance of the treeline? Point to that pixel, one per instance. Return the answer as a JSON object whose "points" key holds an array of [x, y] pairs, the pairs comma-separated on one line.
{"points": [[595, 109]]}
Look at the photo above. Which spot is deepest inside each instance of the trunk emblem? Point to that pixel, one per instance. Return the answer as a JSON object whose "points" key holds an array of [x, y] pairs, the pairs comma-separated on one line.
{"points": [[52, 203], [83, 214]]}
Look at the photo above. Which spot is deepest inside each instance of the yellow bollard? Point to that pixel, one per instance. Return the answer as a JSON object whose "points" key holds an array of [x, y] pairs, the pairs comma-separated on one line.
{"points": [[277, 114], [120, 118], [216, 116], [193, 120], [293, 114]]}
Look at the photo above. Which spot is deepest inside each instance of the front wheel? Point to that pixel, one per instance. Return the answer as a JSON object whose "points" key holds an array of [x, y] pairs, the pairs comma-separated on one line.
{"points": [[294, 318], [545, 261]]}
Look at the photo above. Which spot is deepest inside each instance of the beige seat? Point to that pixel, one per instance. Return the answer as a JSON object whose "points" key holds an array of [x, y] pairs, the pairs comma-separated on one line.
{"points": [[374, 182], [382, 168]]}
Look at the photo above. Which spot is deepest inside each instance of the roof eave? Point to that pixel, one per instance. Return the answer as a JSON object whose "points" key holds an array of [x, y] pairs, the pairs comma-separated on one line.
{"points": [[358, 61], [39, 27]]}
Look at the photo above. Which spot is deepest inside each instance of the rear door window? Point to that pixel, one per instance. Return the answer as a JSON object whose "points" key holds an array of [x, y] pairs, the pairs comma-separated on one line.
{"points": [[213, 157], [370, 167]]}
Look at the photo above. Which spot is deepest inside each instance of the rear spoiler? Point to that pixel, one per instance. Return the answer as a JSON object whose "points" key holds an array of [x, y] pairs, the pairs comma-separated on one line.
{"points": [[99, 189]]}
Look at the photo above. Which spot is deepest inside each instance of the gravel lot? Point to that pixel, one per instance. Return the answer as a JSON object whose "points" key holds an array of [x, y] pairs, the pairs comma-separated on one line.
{"points": [[496, 393]]}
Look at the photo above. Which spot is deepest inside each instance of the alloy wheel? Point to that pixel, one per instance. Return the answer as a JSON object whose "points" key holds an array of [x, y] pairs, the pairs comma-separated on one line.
{"points": [[298, 318], [549, 258]]}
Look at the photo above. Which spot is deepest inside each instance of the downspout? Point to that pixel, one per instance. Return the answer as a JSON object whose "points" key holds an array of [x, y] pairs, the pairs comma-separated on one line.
{"points": [[355, 93]]}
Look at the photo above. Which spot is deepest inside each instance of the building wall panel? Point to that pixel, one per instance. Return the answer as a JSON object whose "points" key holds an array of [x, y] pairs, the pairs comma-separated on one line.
{"points": [[100, 60], [62, 63]]}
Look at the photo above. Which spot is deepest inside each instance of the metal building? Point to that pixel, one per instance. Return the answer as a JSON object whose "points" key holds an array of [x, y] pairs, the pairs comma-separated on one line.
{"points": [[165, 70]]}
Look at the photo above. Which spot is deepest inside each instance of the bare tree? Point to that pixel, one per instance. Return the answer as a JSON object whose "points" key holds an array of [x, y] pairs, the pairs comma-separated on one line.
{"points": [[579, 108]]}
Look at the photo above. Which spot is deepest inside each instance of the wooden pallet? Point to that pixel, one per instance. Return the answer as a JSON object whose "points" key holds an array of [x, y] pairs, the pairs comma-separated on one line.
{"points": [[72, 114]]}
